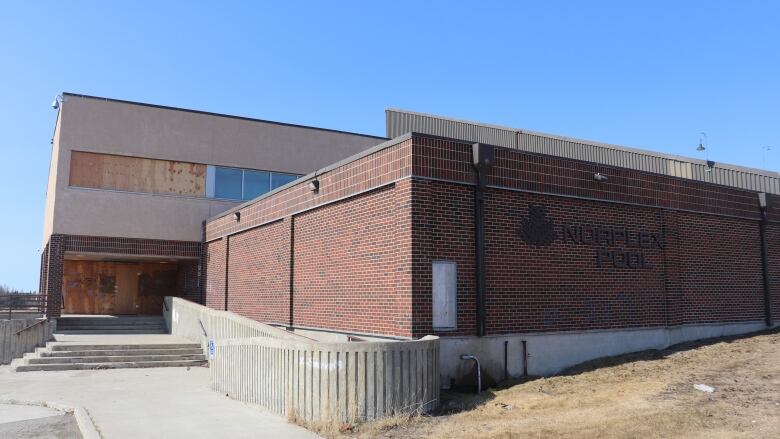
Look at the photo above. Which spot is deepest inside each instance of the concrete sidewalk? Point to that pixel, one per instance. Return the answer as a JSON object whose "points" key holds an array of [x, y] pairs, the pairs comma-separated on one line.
{"points": [[149, 403], [24, 421]]}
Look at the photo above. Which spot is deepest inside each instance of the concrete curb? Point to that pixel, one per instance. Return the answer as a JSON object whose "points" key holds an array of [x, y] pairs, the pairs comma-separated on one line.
{"points": [[83, 419]]}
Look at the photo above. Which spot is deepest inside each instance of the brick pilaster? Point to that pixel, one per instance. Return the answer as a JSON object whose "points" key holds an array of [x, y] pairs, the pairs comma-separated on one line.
{"points": [[55, 258]]}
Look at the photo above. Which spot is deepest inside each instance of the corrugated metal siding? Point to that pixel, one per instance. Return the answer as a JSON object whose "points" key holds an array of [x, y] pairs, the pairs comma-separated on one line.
{"points": [[401, 122]]}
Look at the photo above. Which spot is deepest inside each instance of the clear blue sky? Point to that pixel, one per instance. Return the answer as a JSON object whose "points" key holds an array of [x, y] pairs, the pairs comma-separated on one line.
{"points": [[652, 74]]}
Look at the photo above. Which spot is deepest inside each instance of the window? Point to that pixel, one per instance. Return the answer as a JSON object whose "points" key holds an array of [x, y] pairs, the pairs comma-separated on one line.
{"points": [[228, 183], [445, 295], [242, 184], [256, 183], [278, 180]]}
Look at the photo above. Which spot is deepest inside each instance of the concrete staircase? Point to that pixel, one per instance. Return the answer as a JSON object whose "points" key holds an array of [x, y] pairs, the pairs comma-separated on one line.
{"points": [[111, 325], [66, 356]]}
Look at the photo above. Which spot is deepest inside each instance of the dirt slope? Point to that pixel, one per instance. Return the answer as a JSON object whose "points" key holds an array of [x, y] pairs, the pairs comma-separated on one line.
{"points": [[647, 395]]}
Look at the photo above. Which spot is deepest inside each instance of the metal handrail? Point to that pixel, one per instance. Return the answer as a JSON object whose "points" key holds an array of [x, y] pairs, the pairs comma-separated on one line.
{"points": [[31, 326], [203, 328], [22, 302]]}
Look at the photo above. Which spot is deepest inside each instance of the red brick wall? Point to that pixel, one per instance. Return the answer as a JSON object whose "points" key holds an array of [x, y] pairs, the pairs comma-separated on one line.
{"points": [[720, 269], [562, 285], [513, 169], [365, 173], [363, 262], [52, 276], [132, 246], [347, 271], [443, 227], [214, 263], [189, 281], [773, 239], [709, 269], [259, 275]]}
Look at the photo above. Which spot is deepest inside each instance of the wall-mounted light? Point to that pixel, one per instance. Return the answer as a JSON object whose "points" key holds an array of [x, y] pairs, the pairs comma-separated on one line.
{"points": [[237, 216], [600, 177], [55, 104], [314, 185], [710, 165]]}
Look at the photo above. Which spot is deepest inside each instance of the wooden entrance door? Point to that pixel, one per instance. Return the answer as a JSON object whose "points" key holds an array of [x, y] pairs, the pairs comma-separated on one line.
{"points": [[97, 287], [127, 288]]}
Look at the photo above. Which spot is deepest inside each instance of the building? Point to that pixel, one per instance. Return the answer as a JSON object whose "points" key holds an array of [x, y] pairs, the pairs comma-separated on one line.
{"points": [[532, 262], [531, 251], [131, 184]]}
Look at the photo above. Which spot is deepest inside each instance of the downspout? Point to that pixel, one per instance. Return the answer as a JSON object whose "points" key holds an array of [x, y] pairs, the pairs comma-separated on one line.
{"points": [[765, 260], [292, 272], [483, 160], [227, 268]]}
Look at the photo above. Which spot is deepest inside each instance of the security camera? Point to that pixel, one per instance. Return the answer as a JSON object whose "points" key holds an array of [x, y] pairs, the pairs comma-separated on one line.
{"points": [[600, 177]]}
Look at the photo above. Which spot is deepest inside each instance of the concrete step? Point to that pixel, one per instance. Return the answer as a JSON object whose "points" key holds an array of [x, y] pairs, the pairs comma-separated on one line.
{"points": [[110, 331], [61, 322], [96, 327], [118, 365], [116, 359], [107, 353], [107, 325], [121, 347], [120, 323]]}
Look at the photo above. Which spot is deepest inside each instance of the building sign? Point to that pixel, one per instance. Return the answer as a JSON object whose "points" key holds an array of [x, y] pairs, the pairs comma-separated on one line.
{"points": [[615, 246]]}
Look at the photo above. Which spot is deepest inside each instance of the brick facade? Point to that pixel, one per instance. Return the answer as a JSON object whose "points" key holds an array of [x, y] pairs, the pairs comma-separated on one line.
{"points": [[773, 239], [259, 275], [563, 251], [53, 257], [347, 266], [215, 254]]}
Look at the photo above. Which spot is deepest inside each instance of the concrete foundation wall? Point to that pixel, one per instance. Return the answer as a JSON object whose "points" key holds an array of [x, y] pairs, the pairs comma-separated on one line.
{"points": [[34, 333], [550, 353]]}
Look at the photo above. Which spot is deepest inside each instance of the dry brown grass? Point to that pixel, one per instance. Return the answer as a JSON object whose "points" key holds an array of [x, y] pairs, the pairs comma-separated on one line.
{"points": [[646, 395]]}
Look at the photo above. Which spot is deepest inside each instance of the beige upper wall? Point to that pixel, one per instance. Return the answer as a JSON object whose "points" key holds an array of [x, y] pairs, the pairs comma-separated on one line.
{"points": [[105, 126], [51, 185]]}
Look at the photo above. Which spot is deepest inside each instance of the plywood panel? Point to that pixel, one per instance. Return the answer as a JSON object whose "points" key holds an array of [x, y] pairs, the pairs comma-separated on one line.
{"points": [[135, 174], [127, 276], [96, 287], [89, 287]]}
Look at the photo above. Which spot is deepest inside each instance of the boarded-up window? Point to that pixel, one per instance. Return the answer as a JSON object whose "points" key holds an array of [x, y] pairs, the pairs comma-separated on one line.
{"points": [[136, 174], [445, 292]]}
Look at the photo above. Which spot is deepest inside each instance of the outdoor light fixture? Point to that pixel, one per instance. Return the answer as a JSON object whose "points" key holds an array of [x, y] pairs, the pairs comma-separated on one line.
{"points": [[600, 177], [55, 104], [702, 141], [237, 216], [710, 165], [314, 185]]}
